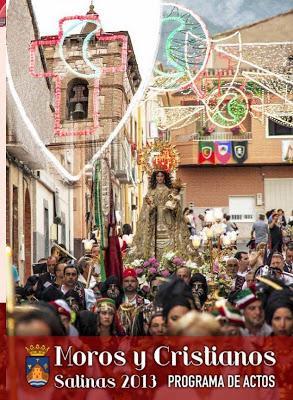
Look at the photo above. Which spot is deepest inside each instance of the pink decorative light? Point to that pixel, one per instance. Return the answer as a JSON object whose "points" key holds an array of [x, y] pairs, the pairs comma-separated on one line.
{"points": [[54, 41]]}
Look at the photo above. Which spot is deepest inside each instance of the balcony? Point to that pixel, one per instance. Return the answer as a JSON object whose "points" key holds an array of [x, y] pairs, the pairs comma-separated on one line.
{"points": [[196, 137], [121, 161], [23, 153]]}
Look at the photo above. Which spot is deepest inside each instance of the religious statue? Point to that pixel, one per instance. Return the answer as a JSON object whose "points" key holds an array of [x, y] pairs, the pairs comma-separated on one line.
{"points": [[161, 227]]}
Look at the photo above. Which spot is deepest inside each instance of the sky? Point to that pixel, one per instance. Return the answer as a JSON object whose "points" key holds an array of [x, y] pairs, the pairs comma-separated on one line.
{"points": [[140, 17], [221, 15]]}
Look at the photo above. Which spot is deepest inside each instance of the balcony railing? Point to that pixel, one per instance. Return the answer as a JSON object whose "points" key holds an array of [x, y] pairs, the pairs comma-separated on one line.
{"points": [[121, 161], [196, 137]]}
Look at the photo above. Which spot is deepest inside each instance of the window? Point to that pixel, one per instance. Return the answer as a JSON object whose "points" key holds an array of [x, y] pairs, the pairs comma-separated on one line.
{"points": [[275, 129], [77, 99], [242, 208]]}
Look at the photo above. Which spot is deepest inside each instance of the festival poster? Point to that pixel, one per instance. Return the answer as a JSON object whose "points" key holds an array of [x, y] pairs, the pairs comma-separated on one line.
{"points": [[223, 151], [109, 290]]}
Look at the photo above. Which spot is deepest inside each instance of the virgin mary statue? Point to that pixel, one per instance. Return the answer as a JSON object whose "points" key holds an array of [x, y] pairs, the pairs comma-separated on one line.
{"points": [[161, 227]]}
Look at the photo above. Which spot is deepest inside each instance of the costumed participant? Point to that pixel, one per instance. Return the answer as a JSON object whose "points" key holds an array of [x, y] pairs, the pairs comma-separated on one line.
{"points": [[199, 289], [112, 290], [87, 323], [156, 323], [176, 299], [106, 311], [252, 308], [279, 312], [67, 316], [231, 320], [160, 227], [130, 312]]}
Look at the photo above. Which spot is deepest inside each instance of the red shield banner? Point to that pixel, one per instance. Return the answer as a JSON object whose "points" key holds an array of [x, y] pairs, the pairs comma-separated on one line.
{"points": [[206, 152]]}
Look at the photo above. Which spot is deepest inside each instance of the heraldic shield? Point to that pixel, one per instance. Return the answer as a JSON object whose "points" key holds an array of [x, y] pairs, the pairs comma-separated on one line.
{"points": [[240, 153], [37, 366]]}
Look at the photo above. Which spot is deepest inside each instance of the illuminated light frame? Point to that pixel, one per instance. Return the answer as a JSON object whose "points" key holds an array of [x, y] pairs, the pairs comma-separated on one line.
{"points": [[63, 173], [211, 112], [58, 40], [265, 71], [275, 111], [208, 47], [263, 80], [229, 87], [185, 119]]}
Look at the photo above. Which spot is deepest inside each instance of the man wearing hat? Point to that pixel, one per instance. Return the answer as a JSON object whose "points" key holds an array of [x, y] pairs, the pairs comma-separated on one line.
{"points": [[130, 286], [253, 313], [130, 312]]}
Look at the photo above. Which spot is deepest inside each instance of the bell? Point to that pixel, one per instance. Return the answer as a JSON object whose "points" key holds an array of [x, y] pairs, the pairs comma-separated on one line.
{"points": [[78, 112]]}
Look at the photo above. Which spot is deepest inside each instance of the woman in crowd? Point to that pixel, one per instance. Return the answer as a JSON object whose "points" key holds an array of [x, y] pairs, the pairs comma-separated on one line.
{"points": [[106, 312], [279, 312]]}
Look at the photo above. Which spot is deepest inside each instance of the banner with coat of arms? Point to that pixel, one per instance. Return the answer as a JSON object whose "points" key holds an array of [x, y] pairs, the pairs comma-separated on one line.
{"points": [[223, 151], [239, 151], [206, 152]]}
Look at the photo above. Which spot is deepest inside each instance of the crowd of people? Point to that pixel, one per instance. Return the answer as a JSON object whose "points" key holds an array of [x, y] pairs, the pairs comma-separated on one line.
{"points": [[70, 299]]}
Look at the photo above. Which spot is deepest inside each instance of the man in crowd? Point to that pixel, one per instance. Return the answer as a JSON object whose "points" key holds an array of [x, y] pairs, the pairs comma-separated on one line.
{"points": [[289, 258], [260, 230], [59, 273], [253, 313], [276, 238], [86, 269], [130, 288], [71, 284], [184, 273], [48, 276], [243, 268], [95, 255], [130, 312], [277, 266]]}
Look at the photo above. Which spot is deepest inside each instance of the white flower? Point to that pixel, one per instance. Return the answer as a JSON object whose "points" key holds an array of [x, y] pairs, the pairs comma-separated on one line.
{"points": [[169, 256], [142, 280], [191, 264], [137, 263]]}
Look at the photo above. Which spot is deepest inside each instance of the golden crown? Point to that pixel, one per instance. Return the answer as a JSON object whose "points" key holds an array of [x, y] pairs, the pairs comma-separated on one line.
{"points": [[37, 351], [159, 156]]}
